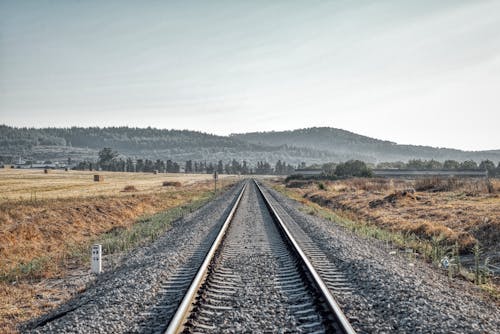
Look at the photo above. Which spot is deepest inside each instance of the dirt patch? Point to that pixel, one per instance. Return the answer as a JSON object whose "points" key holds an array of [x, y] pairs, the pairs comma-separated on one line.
{"points": [[395, 198], [171, 184], [299, 184], [129, 189]]}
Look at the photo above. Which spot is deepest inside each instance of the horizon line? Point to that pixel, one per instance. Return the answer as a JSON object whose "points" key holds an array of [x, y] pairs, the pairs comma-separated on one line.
{"points": [[237, 133]]}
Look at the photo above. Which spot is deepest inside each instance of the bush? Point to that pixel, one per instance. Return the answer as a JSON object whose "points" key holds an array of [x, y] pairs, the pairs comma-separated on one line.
{"points": [[353, 168]]}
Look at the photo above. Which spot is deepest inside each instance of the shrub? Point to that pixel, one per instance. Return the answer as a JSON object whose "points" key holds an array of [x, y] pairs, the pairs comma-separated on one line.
{"points": [[353, 168]]}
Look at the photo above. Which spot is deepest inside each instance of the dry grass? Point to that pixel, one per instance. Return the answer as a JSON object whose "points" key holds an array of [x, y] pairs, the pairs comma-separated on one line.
{"points": [[39, 235], [469, 186], [26, 185], [129, 189], [462, 211]]}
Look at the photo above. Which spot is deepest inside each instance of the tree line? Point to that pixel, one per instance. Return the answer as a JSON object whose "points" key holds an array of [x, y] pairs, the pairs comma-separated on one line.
{"points": [[418, 164], [110, 160], [357, 168]]}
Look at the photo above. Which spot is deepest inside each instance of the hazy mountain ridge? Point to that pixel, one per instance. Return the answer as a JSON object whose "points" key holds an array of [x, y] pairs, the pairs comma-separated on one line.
{"points": [[348, 144], [311, 145], [84, 143]]}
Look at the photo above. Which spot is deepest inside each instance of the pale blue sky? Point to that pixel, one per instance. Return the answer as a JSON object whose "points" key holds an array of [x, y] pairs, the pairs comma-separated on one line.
{"points": [[418, 72]]}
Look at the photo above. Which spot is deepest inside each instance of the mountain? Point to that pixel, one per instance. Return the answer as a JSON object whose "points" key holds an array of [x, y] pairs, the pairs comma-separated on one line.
{"points": [[312, 145], [179, 145], [346, 145]]}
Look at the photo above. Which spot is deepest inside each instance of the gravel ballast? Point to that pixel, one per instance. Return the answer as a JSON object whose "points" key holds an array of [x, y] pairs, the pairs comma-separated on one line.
{"points": [[255, 285], [392, 294]]}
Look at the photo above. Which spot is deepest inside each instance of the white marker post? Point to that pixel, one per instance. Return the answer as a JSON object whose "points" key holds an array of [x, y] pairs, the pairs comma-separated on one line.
{"points": [[96, 259]]}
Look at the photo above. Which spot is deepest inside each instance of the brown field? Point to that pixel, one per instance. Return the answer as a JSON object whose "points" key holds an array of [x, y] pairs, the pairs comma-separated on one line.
{"points": [[16, 184], [459, 211], [48, 220]]}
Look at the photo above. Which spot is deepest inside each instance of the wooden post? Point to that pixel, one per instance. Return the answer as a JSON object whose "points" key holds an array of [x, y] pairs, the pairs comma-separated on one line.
{"points": [[216, 176]]}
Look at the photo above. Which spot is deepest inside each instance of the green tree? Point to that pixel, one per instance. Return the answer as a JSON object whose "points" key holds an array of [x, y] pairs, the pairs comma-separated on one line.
{"points": [[189, 166], [417, 164], [353, 168], [106, 158], [468, 164], [433, 164], [451, 164], [487, 165], [329, 168], [139, 166], [391, 165], [220, 167]]}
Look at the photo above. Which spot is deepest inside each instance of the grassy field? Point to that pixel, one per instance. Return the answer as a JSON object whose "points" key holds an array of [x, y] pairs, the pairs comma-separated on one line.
{"points": [[48, 223]]}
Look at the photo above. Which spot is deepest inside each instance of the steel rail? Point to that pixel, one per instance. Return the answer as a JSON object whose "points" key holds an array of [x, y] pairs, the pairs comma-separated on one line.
{"points": [[179, 318], [321, 287]]}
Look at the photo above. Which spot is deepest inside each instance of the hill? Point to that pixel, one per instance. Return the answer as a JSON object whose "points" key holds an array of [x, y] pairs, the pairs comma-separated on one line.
{"points": [[348, 145], [312, 145], [179, 145]]}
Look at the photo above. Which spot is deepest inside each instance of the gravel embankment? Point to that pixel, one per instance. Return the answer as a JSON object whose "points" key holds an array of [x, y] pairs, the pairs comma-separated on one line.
{"points": [[392, 293], [131, 298]]}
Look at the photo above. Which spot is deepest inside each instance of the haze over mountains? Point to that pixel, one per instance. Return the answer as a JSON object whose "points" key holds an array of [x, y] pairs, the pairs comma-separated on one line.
{"points": [[345, 145], [311, 145]]}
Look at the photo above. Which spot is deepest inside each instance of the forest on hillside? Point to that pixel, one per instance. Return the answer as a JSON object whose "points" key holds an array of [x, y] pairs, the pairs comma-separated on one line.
{"points": [[311, 146], [349, 145]]}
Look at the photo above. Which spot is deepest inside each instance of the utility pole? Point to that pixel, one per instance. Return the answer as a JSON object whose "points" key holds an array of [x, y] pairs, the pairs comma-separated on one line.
{"points": [[216, 176]]}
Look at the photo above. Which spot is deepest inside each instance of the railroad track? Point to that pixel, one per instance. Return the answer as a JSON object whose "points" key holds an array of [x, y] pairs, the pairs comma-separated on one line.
{"points": [[261, 274]]}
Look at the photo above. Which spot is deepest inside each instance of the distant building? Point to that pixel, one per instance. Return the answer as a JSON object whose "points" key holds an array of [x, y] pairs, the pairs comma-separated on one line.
{"points": [[428, 173], [41, 165], [308, 171]]}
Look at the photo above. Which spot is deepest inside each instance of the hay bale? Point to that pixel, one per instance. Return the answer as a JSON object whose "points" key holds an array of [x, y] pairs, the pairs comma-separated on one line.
{"points": [[98, 178]]}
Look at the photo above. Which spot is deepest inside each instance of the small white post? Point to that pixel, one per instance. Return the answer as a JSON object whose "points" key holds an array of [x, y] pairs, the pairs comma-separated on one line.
{"points": [[96, 259]]}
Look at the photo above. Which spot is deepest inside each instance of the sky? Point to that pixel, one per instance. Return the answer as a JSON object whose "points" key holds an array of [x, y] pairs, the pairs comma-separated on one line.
{"points": [[413, 72]]}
